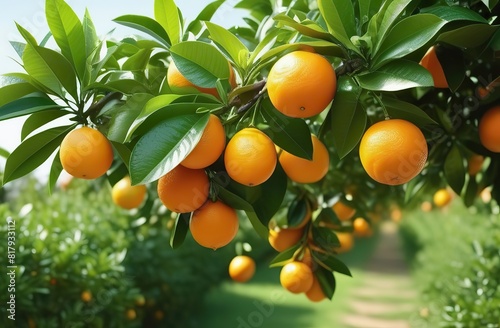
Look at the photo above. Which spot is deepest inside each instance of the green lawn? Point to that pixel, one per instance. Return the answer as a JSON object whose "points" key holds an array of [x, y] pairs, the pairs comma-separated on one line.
{"points": [[262, 302]]}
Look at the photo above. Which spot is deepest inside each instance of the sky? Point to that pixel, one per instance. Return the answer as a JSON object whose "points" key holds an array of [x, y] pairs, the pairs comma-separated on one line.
{"points": [[31, 15]]}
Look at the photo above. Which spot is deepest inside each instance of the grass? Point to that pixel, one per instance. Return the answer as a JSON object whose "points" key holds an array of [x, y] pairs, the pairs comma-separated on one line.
{"points": [[262, 302]]}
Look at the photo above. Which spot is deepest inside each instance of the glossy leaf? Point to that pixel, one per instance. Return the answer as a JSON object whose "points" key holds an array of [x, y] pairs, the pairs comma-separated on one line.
{"points": [[146, 25], [201, 63], [332, 263], [404, 110], [407, 36], [308, 28], [68, 33], [39, 119], [180, 230], [205, 15], [290, 134], [396, 75], [297, 211], [4, 153], [32, 152], [125, 86], [165, 146], [229, 42], [327, 216], [137, 62], [469, 36], [368, 8], [454, 13], [125, 116], [91, 38], [327, 281], [339, 16], [25, 106], [223, 186], [55, 171], [348, 119], [257, 224], [11, 92], [325, 238], [51, 69], [284, 257], [454, 170], [167, 14]]}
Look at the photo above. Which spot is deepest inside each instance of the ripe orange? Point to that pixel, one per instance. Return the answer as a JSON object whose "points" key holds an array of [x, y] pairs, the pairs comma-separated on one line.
{"points": [[432, 64], [86, 296], [86, 153], [131, 314], [393, 151], [210, 146], [489, 131], [183, 190], [361, 228], [442, 197], [305, 171], [241, 268], [214, 225], [343, 211], [346, 242], [307, 258], [127, 196], [283, 239], [301, 84], [315, 293], [250, 157], [296, 277], [180, 85], [475, 163]]}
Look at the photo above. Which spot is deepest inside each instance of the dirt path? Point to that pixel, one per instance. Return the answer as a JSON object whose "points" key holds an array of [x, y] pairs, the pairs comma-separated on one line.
{"points": [[386, 297]]}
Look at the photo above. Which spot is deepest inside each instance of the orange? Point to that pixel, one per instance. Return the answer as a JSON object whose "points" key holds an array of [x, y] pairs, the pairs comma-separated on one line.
{"points": [[241, 268], [315, 293], [86, 296], [489, 129], [296, 277], [183, 190], [214, 225], [393, 151], [442, 197], [210, 146], [131, 314], [343, 211], [475, 164], [302, 170], [301, 84], [346, 242], [180, 85], [86, 153], [127, 196], [307, 258], [250, 157], [396, 214], [283, 239], [432, 64], [426, 206], [361, 228]]}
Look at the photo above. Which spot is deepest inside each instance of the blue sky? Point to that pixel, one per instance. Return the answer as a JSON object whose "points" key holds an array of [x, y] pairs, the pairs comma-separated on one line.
{"points": [[30, 14]]}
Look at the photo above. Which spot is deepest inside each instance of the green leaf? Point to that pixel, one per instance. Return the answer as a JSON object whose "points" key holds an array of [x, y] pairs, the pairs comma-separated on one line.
{"points": [[454, 13], [407, 36], [328, 216], [348, 119], [55, 171], [325, 238], [469, 36], [223, 186], [123, 151], [137, 62], [51, 69], [68, 33], [201, 63], [180, 230], [290, 134], [125, 86], [454, 170], [471, 192], [32, 152], [236, 50], [257, 224], [205, 15], [167, 14], [146, 25], [4, 153], [30, 39], [332, 263], [25, 106], [327, 281], [396, 75], [406, 111], [307, 28], [39, 119], [15, 91], [452, 61], [284, 257], [91, 38], [297, 211], [490, 3], [125, 116], [368, 8], [165, 146], [339, 16]]}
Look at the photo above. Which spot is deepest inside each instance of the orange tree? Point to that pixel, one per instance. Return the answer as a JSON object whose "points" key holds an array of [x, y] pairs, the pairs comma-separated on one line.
{"points": [[295, 88]]}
